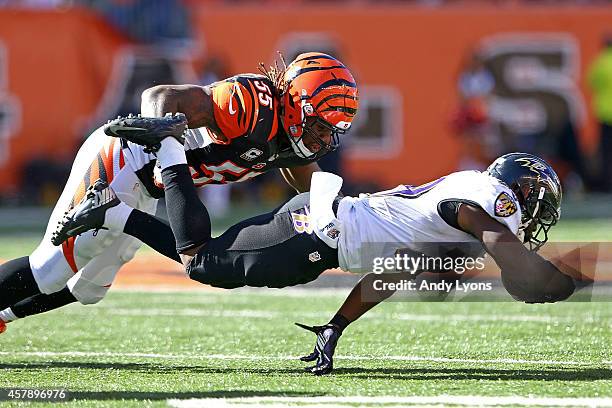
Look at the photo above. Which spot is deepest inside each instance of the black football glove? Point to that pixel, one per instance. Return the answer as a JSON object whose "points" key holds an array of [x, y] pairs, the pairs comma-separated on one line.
{"points": [[148, 132], [323, 353]]}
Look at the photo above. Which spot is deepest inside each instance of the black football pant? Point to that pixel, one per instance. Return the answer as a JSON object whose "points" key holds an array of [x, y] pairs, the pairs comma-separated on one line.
{"points": [[273, 250]]}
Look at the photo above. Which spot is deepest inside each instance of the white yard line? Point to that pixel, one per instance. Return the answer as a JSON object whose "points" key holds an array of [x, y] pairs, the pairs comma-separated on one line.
{"points": [[441, 400], [269, 314], [209, 291], [51, 354]]}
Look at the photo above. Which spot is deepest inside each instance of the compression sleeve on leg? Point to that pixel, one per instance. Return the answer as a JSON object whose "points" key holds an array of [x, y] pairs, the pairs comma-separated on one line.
{"points": [[16, 281], [154, 232], [188, 216], [42, 303]]}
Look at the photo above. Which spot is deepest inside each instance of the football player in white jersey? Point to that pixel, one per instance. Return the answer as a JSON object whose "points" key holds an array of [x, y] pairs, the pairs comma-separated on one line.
{"points": [[518, 196], [509, 209]]}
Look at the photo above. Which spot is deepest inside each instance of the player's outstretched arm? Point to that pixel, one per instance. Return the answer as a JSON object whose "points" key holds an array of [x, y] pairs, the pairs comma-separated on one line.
{"points": [[361, 299], [526, 276]]}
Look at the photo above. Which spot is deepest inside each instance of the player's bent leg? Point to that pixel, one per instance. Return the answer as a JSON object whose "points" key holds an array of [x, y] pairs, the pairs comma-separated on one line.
{"points": [[276, 250], [99, 157], [88, 214], [16, 281], [42, 303], [92, 213], [36, 304], [92, 282], [188, 216]]}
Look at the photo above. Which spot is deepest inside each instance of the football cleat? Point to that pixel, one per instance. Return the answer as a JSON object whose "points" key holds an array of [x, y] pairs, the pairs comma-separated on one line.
{"points": [[148, 132], [88, 214], [2, 326]]}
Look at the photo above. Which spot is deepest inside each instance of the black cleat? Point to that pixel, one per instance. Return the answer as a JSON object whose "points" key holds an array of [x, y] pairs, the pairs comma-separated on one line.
{"points": [[88, 214], [148, 132]]}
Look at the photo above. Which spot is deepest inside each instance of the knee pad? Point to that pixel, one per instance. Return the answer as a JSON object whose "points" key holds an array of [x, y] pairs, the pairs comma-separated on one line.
{"points": [[88, 294]]}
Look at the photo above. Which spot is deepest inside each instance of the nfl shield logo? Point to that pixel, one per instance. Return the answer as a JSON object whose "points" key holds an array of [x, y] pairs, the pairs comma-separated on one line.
{"points": [[314, 257], [251, 154]]}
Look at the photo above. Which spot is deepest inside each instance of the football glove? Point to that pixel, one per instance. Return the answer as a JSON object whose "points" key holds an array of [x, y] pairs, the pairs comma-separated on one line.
{"points": [[323, 353], [148, 132]]}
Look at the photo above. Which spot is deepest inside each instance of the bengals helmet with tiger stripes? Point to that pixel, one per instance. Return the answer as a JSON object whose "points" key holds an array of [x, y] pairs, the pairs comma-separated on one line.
{"points": [[320, 87]]}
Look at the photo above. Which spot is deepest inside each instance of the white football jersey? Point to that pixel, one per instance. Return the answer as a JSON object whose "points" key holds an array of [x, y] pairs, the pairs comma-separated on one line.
{"points": [[406, 217]]}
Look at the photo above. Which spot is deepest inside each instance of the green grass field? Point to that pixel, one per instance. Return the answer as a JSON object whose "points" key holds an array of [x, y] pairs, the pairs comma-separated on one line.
{"points": [[138, 347], [240, 348]]}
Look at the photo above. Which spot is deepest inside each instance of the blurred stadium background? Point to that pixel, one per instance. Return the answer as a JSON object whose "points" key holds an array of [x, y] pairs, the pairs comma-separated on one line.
{"points": [[445, 85]]}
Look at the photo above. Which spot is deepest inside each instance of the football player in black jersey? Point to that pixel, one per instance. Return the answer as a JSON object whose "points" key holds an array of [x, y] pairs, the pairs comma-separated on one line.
{"points": [[240, 127]]}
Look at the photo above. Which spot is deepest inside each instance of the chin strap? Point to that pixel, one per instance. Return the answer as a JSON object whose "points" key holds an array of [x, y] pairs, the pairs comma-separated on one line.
{"points": [[301, 150]]}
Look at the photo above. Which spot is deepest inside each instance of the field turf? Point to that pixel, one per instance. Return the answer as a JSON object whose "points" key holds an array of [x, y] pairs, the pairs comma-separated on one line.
{"points": [[240, 348], [154, 347]]}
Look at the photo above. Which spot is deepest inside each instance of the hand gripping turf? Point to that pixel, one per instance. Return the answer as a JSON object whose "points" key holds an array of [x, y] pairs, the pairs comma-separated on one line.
{"points": [[327, 339]]}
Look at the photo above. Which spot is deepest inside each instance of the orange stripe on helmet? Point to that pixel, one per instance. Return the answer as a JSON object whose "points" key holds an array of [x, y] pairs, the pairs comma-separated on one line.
{"points": [[329, 87]]}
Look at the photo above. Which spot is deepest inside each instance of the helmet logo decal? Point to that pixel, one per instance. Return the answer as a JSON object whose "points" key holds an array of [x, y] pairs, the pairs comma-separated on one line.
{"points": [[504, 205], [532, 165]]}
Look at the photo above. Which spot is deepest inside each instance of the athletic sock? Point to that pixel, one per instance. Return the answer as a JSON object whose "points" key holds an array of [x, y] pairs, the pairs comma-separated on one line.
{"points": [[116, 217], [153, 231], [7, 315], [171, 153], [16, 282]]}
